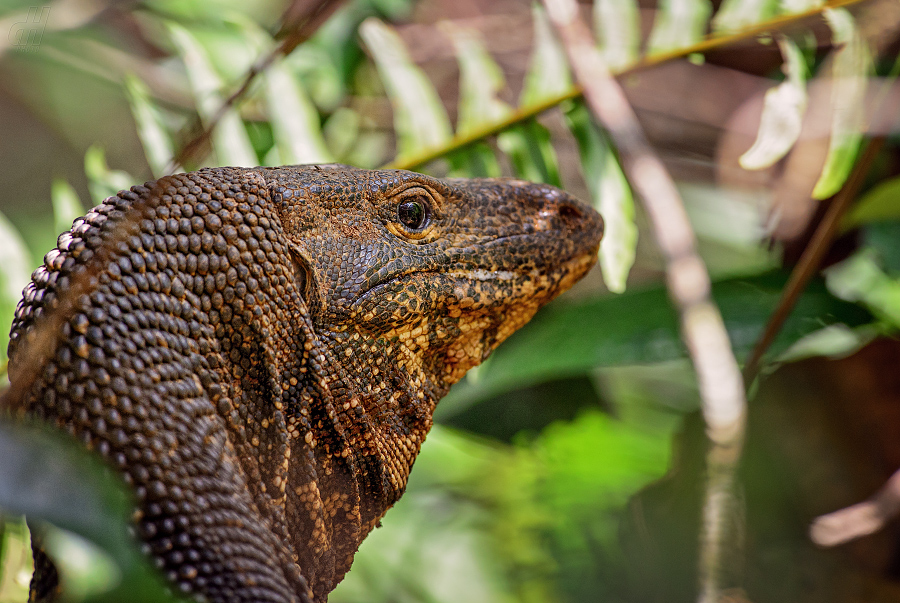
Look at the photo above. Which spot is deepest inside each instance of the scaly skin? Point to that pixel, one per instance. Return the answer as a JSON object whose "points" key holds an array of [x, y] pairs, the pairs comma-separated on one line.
{"points": [[259, 351]]}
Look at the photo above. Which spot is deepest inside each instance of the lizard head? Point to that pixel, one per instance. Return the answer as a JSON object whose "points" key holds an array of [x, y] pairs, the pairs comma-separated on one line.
{"points": [[404, 282], [446, 269]]}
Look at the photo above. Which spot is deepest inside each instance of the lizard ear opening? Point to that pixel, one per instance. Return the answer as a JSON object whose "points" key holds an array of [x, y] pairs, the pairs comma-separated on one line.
{"points": [[304, 280]]}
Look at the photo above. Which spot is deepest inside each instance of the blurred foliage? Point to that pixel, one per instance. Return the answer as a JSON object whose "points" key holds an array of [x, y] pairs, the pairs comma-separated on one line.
{"points": [[522, 490]]}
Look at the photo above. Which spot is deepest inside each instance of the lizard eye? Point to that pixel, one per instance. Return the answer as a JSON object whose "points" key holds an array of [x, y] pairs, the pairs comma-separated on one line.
{"points": [[414, 213]]}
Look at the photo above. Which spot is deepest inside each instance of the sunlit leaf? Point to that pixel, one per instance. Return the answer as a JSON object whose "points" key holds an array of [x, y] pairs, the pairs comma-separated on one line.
{"points": [[617, 24], [851, 64], [66, 205], [229, 137], [102, 181], [735, 15], [15, 559], [548, 70], [859, 278], [611, 195], [880, 203], [477, 160], [435, 533], [295, 121], [480, 81], [593, 466], [531, 152], [832, 341], [420, 119], [799, 6], [783, 110], [150, 127], [678, 23], [340, 131], [15, 272], [640, 327]]}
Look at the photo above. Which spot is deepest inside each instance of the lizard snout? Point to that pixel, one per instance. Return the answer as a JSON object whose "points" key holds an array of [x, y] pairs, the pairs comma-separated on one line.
{"points": [[570, 218]]}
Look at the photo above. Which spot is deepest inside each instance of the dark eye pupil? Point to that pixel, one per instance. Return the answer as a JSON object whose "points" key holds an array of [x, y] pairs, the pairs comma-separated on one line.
{"points": [[412, 214]]}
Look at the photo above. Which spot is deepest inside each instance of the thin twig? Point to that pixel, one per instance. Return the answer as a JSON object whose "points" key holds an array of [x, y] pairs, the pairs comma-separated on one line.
{"points": [[702, 328], [523, 114], [812, 256], [859, 520], [302, 27]]}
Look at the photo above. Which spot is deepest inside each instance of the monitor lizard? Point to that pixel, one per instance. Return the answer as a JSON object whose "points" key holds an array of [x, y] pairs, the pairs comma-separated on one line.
{"points": [[259, 351]]}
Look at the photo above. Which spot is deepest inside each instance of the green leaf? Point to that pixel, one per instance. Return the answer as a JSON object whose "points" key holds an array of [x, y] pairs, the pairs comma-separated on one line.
{"points": [[548, 70], [66, 205], [15, 559], [735, 15], [531, 152], [340, 131], [36, 481], [480, 80], [150, 126], [420, 119], [832, 341], [102, 181], [617, 24], [640, 327], [611, 195], [799, 6], [879, 204], [295, 121], [851, 65], [229, 138], [783, 110], [678, 23], [859, 278], [15, 273], [593, 465], [477, 160], [435, 533]]}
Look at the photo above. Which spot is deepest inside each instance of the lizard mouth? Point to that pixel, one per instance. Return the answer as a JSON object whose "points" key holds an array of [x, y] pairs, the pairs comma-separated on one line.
{"points": [[549, 281]]}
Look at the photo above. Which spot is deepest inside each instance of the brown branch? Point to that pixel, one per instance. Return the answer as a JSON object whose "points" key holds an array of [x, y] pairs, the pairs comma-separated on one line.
{"points": [[812, 256], [299, 23], [702, 328], [523, 114], [859, 520]]}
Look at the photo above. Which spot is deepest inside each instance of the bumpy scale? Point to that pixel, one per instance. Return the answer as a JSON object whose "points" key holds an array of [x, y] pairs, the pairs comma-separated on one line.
{"points": [[259, 351]]}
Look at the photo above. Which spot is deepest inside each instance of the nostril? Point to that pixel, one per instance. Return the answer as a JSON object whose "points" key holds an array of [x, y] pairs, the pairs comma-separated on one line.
{"points": [[569, 212], [571, 216]]}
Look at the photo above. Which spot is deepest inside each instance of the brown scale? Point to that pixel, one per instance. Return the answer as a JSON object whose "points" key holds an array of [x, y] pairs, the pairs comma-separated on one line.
{"points": [[259, 351]]}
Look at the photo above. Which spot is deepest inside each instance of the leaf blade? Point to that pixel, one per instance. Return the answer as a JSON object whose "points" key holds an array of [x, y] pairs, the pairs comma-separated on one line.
{"points": [[611, 195], [229, 137], [420, 120]]}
